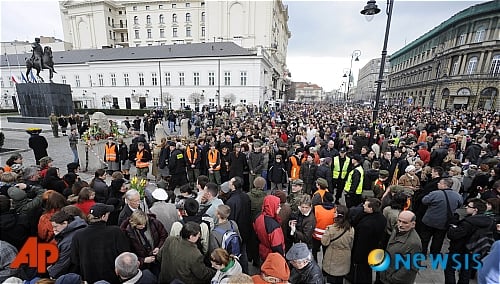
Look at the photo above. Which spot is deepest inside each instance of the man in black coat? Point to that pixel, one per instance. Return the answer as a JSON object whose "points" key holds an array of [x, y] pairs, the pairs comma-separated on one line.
{"points": [[177, 166], [39, 145], [237, 162], [369, 229], [240, 205], [94, 249]]}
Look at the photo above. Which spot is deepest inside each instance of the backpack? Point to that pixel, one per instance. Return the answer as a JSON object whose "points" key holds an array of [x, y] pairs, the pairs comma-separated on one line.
{"points": [[231, 241], [481, 240]]}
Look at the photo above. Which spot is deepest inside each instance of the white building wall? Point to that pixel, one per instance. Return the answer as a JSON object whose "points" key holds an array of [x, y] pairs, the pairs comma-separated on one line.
{"points": [[91, 93]]}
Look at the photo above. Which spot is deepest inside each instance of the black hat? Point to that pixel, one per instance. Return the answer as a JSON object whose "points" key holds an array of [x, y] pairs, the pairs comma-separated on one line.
{"points": [[99, 209], [343, 150], [171, 143], [358, 158]]}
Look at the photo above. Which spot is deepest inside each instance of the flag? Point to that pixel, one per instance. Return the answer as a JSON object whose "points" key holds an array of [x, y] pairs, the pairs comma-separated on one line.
{"points": [[32, 76], [13, 78], [24, 78]]}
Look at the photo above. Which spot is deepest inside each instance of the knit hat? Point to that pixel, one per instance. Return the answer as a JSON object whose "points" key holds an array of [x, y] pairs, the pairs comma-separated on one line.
{"points": [[410, 168], [298, 251], [323, 183], [16, 193], [275, 265], [259, 182], [383, 173], [160, 194]]}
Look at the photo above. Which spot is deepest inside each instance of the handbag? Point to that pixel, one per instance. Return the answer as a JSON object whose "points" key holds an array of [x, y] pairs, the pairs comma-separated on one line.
{"points": [[449, 215]]}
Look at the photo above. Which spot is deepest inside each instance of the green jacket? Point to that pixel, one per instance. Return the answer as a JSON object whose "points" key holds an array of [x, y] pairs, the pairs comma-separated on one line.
{"points": [[256, 199], [181, 259]]}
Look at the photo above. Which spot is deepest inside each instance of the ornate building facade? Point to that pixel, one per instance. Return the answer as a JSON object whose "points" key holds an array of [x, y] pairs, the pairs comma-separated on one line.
{"points": [[250, 24], [455, 65]]}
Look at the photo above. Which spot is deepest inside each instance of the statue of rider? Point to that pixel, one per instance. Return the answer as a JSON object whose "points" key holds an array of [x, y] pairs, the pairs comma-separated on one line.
{"points": [[37, 55]]}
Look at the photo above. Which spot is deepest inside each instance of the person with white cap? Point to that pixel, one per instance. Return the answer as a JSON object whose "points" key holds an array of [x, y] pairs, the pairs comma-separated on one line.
{"points": [[410, 179], [165, 212], [303, 268]]}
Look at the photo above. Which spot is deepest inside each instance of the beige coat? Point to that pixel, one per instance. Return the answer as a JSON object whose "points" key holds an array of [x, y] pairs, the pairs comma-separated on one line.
{"points": [[337, 258]]}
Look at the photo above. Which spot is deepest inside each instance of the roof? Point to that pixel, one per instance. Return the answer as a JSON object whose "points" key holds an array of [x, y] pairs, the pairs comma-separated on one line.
{"points": [[479, 9], [304, 85], [215, 49]]}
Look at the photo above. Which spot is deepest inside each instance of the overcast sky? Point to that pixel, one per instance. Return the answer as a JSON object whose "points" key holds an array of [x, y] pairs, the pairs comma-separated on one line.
{"points": [[324, 33]]}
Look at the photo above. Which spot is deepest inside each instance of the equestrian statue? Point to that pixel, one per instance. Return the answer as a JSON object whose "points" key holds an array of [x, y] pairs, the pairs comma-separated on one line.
{"points": [[39, 60]]}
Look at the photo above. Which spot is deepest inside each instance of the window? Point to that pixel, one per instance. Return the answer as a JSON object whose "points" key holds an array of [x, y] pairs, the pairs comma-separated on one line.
{"points": [[202, 17], [160, 6], [2, 84], [103, 102], [455, 66], [161, 19], [243, 101], [162, 32], [211, 102], [63, 79], [174, 32], [479, 36], [155, 102], [136, 20], [181, 78], [134, 8], [113, 79], [174, 18], [174, 5], [109, 21], [461, 38], [211, 78], [120, 12], [167, 78], [148, 19], [188, 17], [188, 5], [100, 79], [495, 65], [202, 31], [149, 33], [141, 79], [77, 80], [243, 78], [202, 4], [227, 78], [183, 103], [196, 78], [147, 7], [110, 34], [136, 34], [471, 66], [125, 79], [188, 31], [154, 79]]}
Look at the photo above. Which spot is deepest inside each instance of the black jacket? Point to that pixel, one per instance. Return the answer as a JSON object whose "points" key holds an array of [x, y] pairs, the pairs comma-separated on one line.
{"points": [[94, 249], [15, 228], [177, 163], [236, 164], [310, 274], [463, 230], [240, 205]]}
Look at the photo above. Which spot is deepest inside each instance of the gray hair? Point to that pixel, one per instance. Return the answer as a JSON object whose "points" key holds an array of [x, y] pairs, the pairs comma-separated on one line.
{"points": [[127, 265], [131, 193], [29, 172]]}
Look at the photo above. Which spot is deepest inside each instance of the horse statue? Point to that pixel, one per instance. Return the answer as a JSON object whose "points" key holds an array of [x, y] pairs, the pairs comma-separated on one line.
{"points": [[39, 61]]}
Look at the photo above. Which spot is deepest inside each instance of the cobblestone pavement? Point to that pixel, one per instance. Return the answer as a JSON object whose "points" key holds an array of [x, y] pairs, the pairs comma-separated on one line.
{"points": [[16, 137]]}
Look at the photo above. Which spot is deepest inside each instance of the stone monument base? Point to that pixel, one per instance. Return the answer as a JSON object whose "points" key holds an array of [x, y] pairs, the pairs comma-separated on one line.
{"points": [[30, 120], [40, 99]]}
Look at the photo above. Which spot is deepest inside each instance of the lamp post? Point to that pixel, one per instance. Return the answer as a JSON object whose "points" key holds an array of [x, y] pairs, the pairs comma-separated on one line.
{"points": [[370, 10], [355, 56]]}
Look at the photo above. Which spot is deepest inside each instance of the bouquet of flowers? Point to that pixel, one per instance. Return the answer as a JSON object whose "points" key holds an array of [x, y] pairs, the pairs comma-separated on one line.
{"points": [[34, 130], [139, 184]]}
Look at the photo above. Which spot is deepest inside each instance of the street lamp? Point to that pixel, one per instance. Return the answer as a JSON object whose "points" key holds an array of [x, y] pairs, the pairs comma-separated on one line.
{"points": [[355, 56], [370, 10]]}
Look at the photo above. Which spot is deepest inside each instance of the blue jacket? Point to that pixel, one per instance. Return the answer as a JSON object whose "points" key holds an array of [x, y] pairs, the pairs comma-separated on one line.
{"points": [[437, 212], [490, 272]]}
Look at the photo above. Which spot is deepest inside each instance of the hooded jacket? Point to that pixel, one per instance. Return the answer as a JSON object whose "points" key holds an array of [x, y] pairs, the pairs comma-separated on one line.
{"points": [[268, 229], [460, 235], [64, 238], [15, 228], [274, 266]]}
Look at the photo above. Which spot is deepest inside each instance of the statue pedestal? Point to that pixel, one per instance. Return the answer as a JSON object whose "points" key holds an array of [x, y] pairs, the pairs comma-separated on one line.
{"points": [[40, 99]]}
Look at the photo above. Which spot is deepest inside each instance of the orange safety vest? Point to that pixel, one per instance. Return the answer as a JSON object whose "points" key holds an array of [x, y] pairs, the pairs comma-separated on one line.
{"points": [[139, 163], [188, 154], [295, 168], [321, 193], [110, 152], [212, 159], [324, 218], [7, 169]]}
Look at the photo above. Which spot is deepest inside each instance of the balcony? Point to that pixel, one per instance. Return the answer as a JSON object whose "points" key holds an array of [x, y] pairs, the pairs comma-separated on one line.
{"points": [[119, 28]]}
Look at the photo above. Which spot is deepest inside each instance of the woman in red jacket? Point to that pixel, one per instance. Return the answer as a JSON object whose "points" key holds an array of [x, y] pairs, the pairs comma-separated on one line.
{"points": [[268, 229], [85, 200]]}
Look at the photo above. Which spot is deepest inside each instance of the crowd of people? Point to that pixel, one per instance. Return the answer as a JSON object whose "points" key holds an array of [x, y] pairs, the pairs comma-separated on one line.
{"points": [[302, 194]]}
